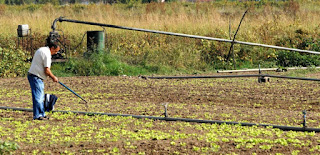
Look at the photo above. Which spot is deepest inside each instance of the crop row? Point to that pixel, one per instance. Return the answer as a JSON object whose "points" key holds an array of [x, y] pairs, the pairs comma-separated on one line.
{"points": [[242, 100], [77, 133]]}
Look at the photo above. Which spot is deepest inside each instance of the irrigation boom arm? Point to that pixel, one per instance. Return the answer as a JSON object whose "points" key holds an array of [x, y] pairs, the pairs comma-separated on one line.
{"points": [[61, 19]]}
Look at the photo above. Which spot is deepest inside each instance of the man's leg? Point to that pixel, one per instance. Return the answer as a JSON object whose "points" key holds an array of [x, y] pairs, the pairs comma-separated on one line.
{"points": [[37, 90]]}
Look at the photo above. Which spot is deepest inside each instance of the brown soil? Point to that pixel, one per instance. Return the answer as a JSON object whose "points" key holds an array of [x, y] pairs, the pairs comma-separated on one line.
{"points": [[279, 101]]}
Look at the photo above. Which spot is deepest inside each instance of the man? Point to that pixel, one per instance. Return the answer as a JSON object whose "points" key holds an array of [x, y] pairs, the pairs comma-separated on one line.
{"points": [[39, 70]]}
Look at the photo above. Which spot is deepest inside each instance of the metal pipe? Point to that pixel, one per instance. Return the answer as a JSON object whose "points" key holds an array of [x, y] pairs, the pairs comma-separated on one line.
{"points": [[61, 19], [196, 77], [234, 76], [72, 91], [294, 78], [286, 128], [263, 69], [54, 24], [246, 70]]}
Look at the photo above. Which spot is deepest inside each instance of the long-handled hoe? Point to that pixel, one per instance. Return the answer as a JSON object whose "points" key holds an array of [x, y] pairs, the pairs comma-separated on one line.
{"points": [[74, 93]]}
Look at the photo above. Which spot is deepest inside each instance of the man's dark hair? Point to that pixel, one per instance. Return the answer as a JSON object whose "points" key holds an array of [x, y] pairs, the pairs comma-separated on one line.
{"points": [[50, 43]]}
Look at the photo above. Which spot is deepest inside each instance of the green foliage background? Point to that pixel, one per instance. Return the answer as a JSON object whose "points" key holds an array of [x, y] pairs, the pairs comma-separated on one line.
{"points": [[13, 62]]}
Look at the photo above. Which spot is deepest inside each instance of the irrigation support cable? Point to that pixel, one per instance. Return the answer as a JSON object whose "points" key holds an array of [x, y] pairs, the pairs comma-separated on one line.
{"points": [[231, 48], [234, 76], [234, 37], [62, 19], [285, 128]]}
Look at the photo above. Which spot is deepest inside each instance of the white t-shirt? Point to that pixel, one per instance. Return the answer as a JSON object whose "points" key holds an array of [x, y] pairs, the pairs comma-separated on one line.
{"points": [[41, 59]]}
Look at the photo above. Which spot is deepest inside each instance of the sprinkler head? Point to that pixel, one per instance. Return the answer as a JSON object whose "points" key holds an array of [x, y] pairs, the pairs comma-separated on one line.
{"points": [[304, 112], [304, 122], [165, 109]]}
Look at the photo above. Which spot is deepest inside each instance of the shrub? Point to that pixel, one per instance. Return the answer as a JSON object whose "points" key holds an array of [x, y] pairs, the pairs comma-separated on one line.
{"points": [[301, 40], [289, 59], [13, 62], [213, 54]]}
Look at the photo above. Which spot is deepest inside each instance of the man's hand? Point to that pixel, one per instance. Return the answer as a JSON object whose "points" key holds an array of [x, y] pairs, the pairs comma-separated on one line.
{"points": [[55, 79], [49, 73]]}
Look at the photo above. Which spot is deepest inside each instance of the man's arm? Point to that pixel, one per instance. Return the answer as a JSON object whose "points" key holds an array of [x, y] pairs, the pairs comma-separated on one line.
{"points": [[49, 73]]}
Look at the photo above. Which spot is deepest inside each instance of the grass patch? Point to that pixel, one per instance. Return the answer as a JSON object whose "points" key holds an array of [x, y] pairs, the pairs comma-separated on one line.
{"points": [[302, 72], [100, 63]]}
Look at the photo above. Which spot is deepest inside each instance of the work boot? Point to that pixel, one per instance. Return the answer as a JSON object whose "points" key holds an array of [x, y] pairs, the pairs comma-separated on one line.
{"points": [[40, 118], [46, 117]]}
